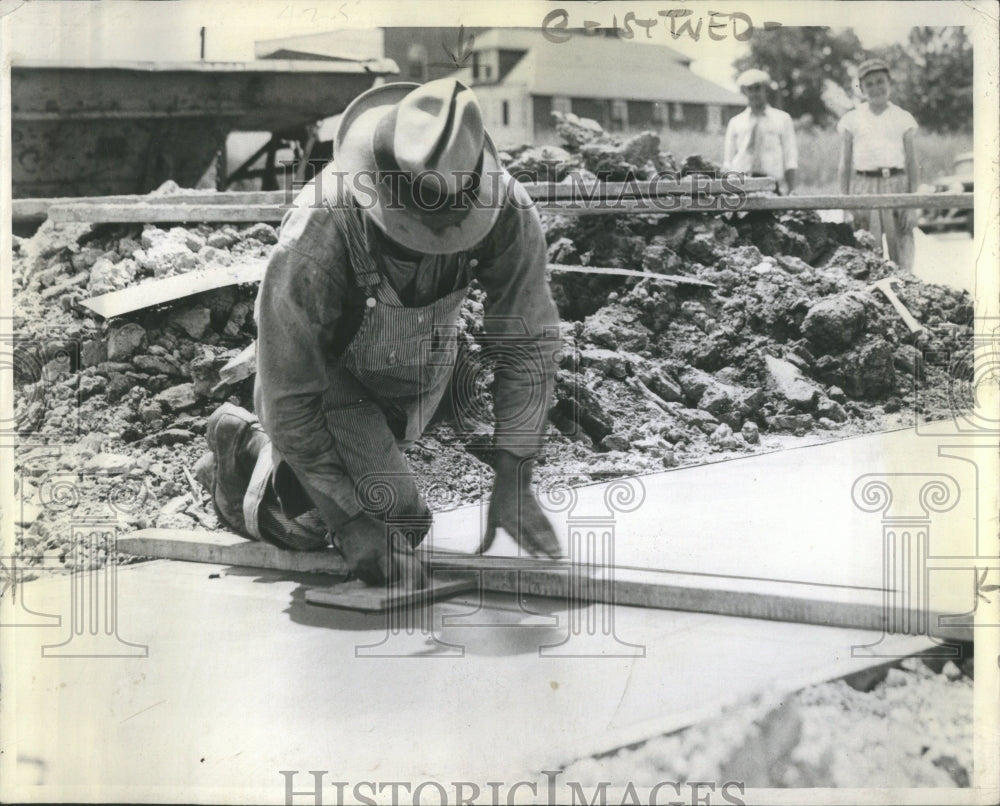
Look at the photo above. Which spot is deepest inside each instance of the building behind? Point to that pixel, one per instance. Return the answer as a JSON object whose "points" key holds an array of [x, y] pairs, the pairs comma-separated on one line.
{"points": [[521, 77]]}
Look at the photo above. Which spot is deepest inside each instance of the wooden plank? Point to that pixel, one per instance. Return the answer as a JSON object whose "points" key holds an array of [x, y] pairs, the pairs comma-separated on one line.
{"points": [[225, 548], [777, 600], [677, 279], [39, 207], [356, 595], [169, 289], [735, 203], [179, 213], [544, 191], [23, 209], [573, 204]]}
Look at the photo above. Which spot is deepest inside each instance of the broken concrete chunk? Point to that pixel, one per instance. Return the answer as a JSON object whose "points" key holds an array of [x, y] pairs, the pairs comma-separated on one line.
{"points": [[178, 398], [835, 323], [193, 321], [111, 464], [614, 442], [93, 352], [262, 232], [831, 409], [157, 365], [106, 276], [126, 341], [609, 362], [785, 379], [724, 438]]}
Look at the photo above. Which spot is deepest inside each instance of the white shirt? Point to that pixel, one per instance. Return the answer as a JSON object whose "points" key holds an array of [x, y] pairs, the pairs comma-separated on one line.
{"points": [[877, 139], [771, 150]]}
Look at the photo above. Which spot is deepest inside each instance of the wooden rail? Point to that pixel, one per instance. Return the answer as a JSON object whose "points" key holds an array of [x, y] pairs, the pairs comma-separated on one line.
{"points": [[601, 199]]}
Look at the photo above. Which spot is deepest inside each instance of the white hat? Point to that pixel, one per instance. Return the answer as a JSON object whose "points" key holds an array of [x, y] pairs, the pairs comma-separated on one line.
{"points": [[413, 130], [754, 76]]}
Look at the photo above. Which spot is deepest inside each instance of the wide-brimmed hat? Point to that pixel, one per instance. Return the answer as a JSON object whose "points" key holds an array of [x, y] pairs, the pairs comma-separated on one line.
{"points": [[870, 66], [749, 78], [419, 161]]}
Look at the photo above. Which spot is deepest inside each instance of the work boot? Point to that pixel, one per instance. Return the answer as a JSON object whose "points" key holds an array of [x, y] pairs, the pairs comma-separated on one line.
{"points": [[236, 439]]}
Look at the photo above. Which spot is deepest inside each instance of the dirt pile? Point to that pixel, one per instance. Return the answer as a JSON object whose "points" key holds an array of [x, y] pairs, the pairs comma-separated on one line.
{"points": [[791, 340], [112, 413], [591, 153]]}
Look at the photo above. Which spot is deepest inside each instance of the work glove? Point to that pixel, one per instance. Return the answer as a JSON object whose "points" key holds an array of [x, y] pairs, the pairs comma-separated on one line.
{"points": [[378, 561], [514, 507]]}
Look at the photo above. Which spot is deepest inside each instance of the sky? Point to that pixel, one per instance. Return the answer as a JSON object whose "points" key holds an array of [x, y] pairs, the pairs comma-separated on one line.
{"points": [[132, 30], [170, 31]]}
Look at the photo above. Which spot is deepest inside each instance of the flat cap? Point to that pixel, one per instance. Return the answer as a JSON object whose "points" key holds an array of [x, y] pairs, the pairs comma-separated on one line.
{"points": [[871, 66], [750, 77]]}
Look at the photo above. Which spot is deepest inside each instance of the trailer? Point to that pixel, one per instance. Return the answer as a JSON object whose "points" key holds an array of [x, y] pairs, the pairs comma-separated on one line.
{"points": [[106, 128]]}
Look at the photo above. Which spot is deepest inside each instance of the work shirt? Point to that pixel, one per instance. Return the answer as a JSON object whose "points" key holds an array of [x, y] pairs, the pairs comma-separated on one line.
{"points": [[877, 140], [302, 390], [761, 144]]}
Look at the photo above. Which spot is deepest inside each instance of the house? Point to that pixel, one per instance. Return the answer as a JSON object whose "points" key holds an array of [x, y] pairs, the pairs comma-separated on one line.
{"points": [[521, 78]]}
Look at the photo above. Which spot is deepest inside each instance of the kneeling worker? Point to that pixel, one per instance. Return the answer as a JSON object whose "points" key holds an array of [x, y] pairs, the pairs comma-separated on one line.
{"points": [[357, 331]]}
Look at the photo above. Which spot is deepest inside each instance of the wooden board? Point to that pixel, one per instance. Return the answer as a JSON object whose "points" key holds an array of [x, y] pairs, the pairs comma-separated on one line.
{"points": [[169, 289], [31, 209], [734, 203], [356, 595], [569, 203], [779, 600], [225, 548], [676, 279]]}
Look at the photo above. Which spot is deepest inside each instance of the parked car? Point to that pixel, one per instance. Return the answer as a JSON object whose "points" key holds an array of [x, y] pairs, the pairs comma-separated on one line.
{"points": [[960, 180]]}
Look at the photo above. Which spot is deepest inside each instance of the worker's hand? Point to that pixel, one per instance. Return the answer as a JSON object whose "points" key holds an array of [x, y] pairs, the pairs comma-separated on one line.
{"points": [[513, 507], [376, 560]]}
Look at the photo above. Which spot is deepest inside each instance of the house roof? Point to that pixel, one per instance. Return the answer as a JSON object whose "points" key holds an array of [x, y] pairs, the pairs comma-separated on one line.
{"points": [[528, 38], [304, 55], [598, 67]]}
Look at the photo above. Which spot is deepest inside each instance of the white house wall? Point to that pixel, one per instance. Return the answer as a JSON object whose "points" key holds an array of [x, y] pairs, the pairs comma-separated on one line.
{"points": [[519, 129]]}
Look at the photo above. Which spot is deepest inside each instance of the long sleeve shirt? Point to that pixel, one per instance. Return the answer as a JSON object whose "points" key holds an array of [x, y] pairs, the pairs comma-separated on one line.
{"points": [[761, 144], [303, 298]]}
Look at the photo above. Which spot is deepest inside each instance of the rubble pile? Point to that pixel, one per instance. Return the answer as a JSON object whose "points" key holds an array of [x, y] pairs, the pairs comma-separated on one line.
{"points": [[789, 343], [908, 725]]}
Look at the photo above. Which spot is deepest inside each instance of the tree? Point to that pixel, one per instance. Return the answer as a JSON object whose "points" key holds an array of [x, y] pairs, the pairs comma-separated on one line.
{"points": [[802, 61], [932, 77]]}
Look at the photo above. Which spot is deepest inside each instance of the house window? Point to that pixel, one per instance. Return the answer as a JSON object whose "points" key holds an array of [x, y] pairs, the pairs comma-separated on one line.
{"points": [[660, 112], [678, 111], [505, 113], [619, 114], [416, 62], [560, 103], [475, 66], [714, 118], [487, 72]]}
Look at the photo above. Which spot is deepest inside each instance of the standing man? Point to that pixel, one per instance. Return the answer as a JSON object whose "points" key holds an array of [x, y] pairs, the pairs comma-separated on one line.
{"points": [[877, 156], [760, 140], [356, 339]]}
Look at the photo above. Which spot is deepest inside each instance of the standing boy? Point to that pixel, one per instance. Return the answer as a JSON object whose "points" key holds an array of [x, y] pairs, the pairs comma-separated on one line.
{"points": [[760, 140], [877, 155]]}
